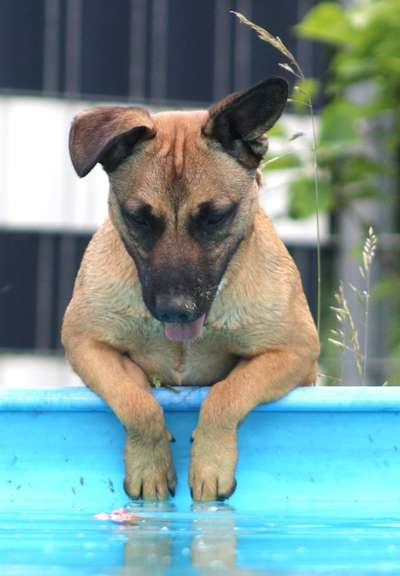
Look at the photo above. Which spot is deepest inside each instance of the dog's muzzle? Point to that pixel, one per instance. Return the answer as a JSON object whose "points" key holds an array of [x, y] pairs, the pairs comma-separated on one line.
{"points": [[180, 317]]}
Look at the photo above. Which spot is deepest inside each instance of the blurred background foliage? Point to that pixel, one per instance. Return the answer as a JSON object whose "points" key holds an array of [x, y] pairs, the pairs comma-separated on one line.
{"points": [[365, 42]]}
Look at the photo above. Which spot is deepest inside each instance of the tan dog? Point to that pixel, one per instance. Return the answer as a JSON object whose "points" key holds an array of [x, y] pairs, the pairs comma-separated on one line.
{"points": [[186, 282]]}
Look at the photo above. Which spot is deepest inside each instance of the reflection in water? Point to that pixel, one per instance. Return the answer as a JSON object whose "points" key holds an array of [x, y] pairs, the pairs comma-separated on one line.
{"points": [[214, 539], [203, 541], [207, 539], [148, 548], [148, 553], [213, 545]]}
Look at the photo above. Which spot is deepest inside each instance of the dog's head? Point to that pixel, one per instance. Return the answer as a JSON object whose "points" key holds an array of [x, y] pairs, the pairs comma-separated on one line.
{"points": [[183, 192]]}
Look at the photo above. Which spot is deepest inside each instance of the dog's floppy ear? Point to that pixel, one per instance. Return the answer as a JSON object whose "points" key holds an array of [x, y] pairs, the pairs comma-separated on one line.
{"points": [[240, 120], [107, 134]]}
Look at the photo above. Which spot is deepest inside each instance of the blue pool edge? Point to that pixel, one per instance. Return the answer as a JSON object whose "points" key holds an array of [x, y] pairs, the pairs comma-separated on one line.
{"points": [[310, 399], [318, 449]]}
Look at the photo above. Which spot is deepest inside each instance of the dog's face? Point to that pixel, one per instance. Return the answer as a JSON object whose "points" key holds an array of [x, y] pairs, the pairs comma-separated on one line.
{"points": [[183, 192]]}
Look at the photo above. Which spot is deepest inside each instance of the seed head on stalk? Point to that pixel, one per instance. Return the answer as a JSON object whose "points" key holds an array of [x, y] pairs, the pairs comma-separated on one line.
{"points": [[295, 69]]}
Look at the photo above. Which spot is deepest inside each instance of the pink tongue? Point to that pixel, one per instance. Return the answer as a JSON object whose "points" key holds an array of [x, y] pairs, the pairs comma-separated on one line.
{"points": [[179, 332]]}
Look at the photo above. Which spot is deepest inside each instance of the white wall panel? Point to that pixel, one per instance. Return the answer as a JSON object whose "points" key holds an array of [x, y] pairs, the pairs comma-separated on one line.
{"points": [[40, 190]]}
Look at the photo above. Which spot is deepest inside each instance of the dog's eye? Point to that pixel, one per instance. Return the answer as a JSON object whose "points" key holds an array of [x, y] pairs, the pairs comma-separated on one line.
{"points": [[143, 227], [215, 218], [211, 222], [138, 219]]}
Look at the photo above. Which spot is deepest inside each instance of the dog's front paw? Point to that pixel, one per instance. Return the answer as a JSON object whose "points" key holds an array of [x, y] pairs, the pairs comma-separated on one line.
{"points": [[149, 470], [212, 470]]}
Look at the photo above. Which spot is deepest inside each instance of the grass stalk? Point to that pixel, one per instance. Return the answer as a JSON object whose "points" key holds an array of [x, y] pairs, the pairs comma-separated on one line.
{"points": [[295, 69], [366, 327], [368, 256], [317, 215], [346, 337]]}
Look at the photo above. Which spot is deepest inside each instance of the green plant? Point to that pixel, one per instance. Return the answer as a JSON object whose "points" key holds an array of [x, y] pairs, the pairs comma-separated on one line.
{"points": [[366, 41], [346, 335], [368, 38]]}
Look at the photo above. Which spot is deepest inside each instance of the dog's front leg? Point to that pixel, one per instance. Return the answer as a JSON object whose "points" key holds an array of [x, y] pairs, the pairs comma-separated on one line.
{"points": [[263, 378], [149, 470]]}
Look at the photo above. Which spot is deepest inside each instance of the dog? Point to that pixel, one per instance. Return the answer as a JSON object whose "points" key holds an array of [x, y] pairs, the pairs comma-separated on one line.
{"points": [[186, 283]]}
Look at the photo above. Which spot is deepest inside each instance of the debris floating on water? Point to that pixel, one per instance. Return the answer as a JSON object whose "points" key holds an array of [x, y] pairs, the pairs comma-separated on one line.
{"points": [[120, 515]]}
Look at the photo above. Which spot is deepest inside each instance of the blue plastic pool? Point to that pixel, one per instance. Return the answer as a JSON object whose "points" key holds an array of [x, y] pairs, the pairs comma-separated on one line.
{"points": [[318, 489]]}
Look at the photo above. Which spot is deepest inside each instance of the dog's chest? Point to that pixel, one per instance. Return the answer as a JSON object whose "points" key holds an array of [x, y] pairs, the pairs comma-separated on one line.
{"points": [[202, 362]]}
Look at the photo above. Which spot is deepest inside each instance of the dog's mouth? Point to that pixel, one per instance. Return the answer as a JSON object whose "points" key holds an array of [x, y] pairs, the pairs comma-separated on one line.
{"points": [[179, 332]]}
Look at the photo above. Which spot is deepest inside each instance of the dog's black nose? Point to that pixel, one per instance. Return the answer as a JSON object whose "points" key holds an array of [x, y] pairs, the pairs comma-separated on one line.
{"points": [[176, 309]]}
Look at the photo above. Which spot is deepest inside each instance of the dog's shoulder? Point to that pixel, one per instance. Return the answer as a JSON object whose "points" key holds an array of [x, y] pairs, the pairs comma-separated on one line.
{"points": [[107, 293], [106, 265], [258, 301]]}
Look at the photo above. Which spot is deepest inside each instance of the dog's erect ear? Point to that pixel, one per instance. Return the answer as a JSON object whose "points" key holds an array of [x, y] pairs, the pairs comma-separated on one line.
{"points": [[240, 120], [107, 134]]}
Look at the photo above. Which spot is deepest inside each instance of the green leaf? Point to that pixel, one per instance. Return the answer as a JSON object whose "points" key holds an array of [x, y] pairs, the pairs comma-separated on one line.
{"points": [[351, 192], [303, 93], [277, 131], [338, 124], [358, 166], [307, 88], [328, 22], [302, 203], [387, 288], [282, 162], [352, 68]]}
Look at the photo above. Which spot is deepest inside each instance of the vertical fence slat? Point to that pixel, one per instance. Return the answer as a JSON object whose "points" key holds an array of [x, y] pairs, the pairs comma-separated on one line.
{"points": [[4, 148], [137, 48], [222, 43], [44, 293], [242, 47], [73, 47], [66, 277], [304, 48], [50, 51], [159, 43]]}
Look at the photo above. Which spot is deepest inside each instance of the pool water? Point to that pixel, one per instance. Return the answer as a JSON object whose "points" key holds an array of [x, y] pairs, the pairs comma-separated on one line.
{"points": [[205, 539]]}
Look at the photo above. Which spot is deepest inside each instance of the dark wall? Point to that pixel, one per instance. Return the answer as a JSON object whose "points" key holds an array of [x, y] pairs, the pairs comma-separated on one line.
{"points": [[158, 50]]}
